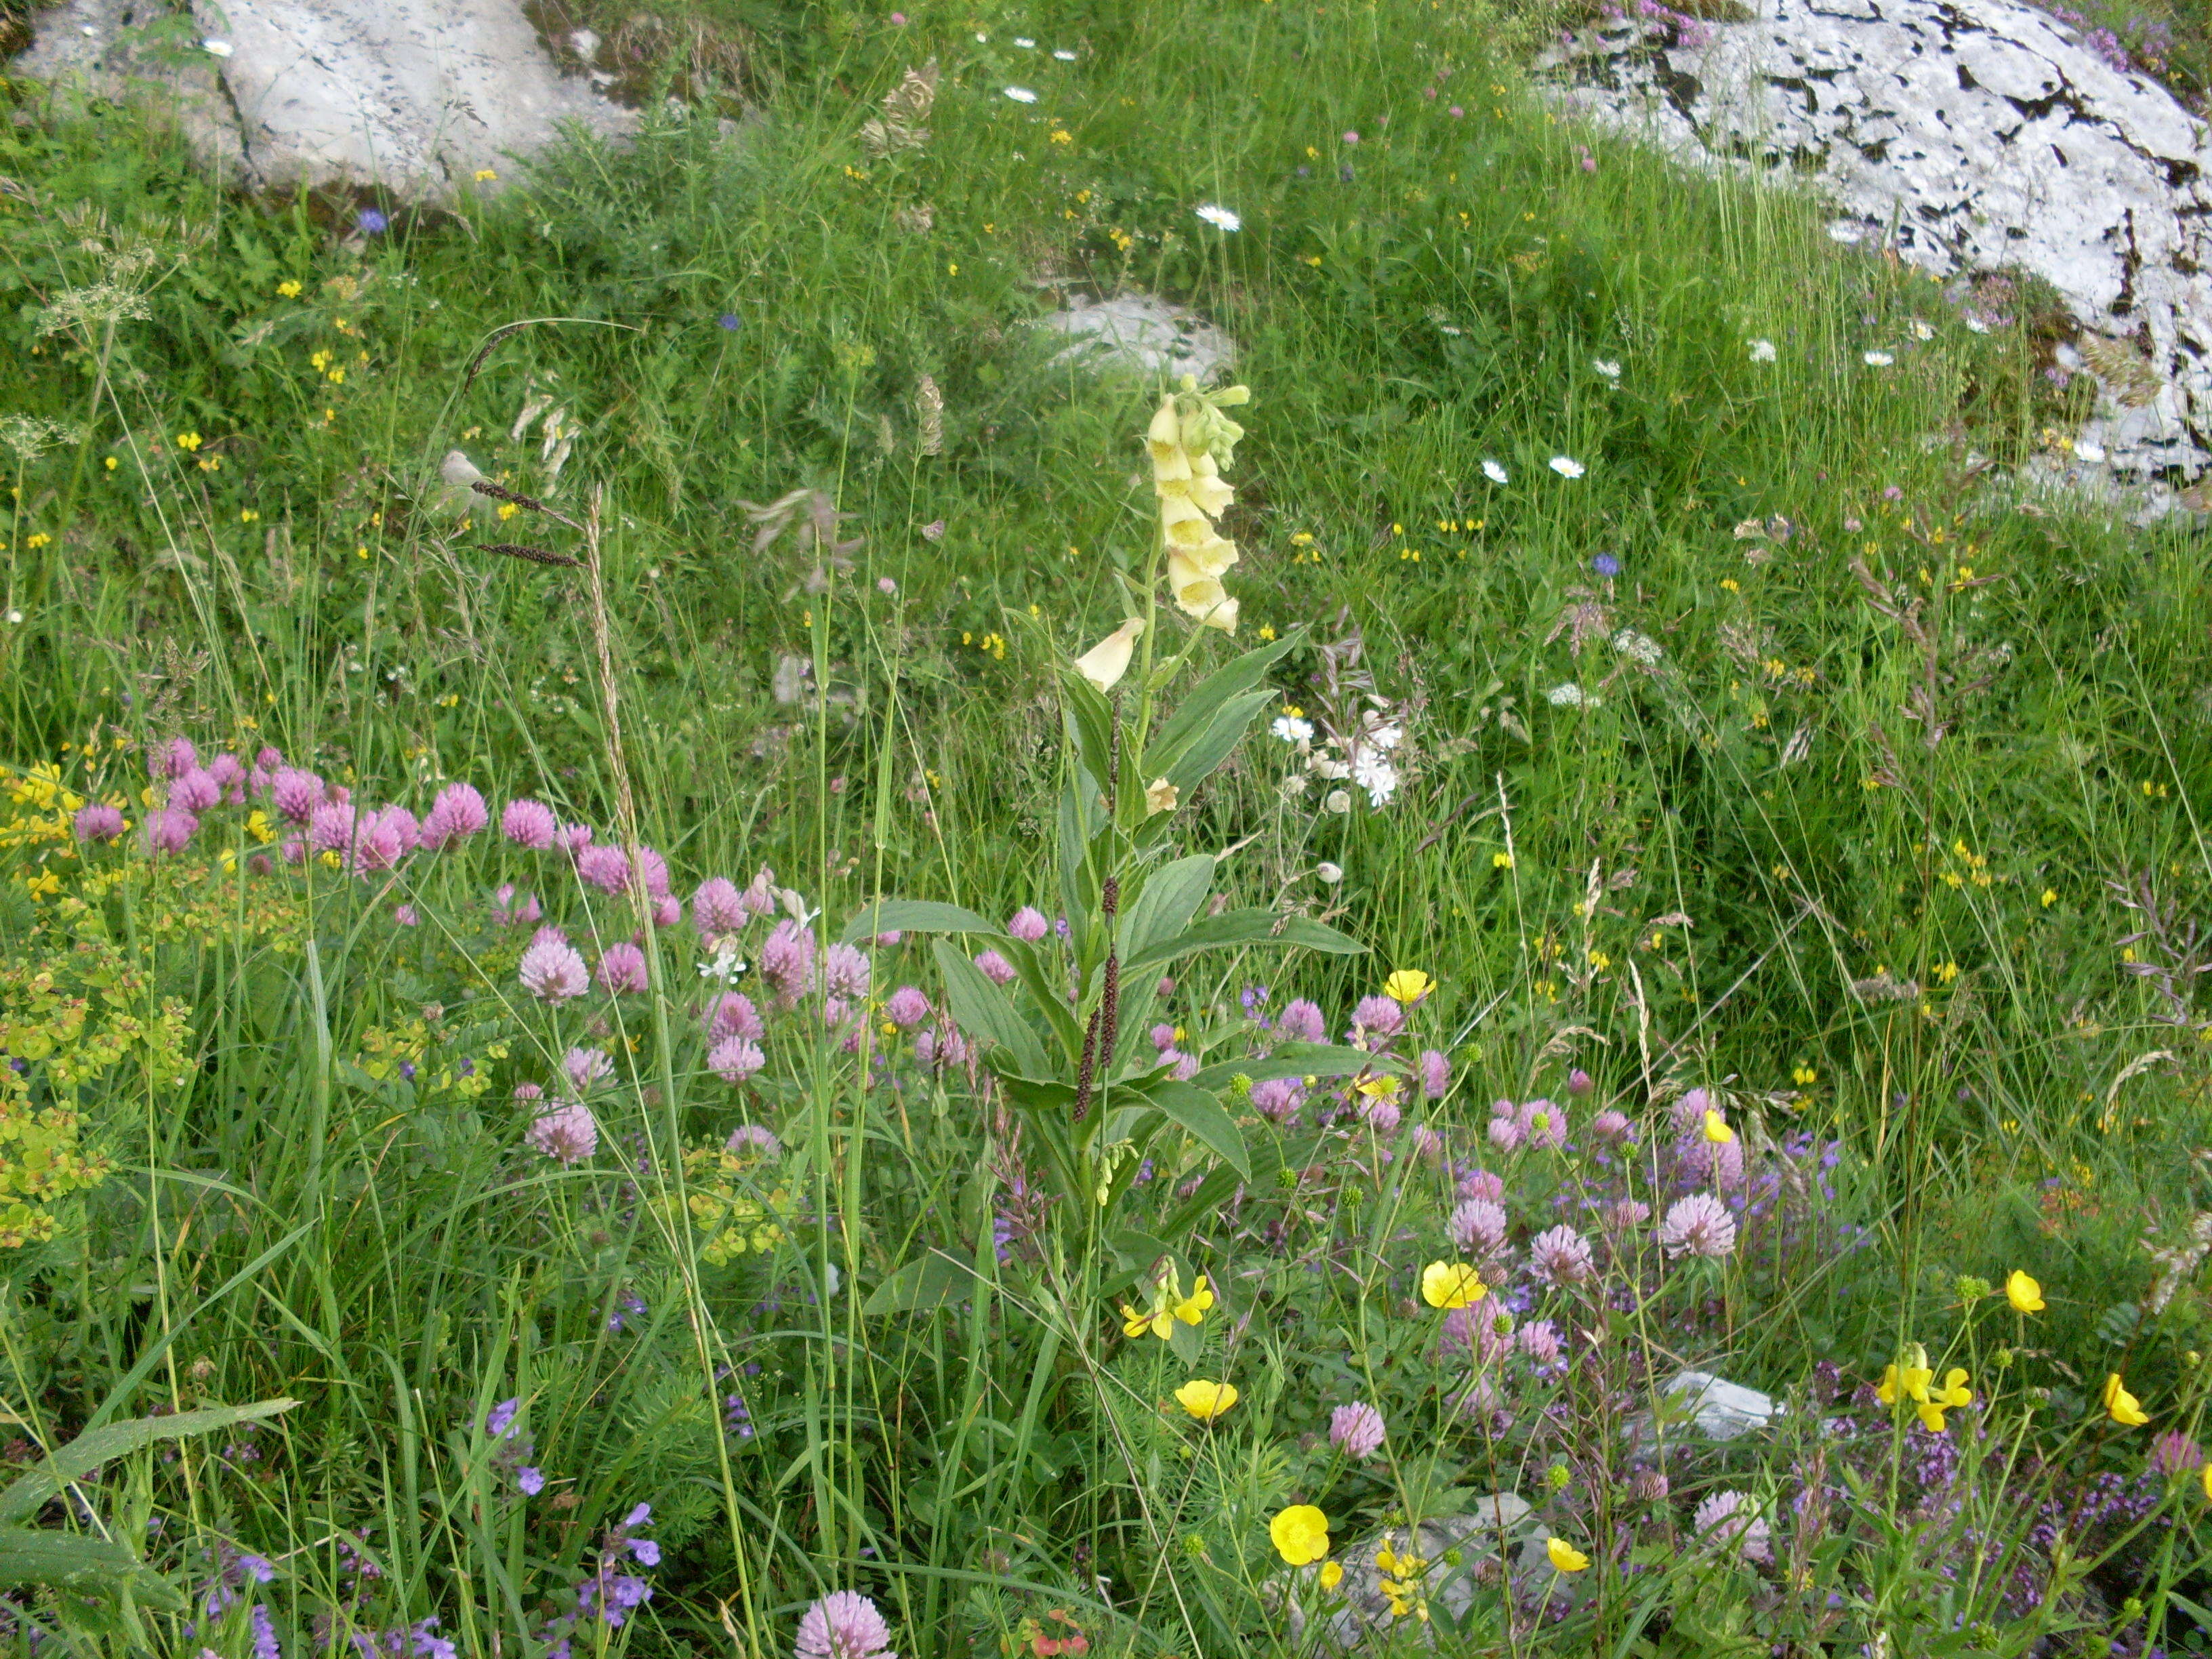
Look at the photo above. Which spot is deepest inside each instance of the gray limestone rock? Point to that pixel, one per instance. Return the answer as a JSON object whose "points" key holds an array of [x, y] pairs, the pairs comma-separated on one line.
{"points": [[1968, 136], [415, 97], [1137, 334]]}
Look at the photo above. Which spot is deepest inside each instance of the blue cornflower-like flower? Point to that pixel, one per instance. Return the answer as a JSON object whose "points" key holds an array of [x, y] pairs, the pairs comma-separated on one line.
{"points": [[370, 222], [1606, 565], [729, 320]]}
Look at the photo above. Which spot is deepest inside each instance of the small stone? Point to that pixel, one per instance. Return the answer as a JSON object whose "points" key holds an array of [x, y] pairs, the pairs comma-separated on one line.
{"points": [[1137, 334]]}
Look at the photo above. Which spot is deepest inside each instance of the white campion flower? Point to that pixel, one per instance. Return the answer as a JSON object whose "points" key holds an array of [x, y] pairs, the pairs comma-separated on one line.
{"points": [[1337, 801], [1327, 767], [1065, 55], [1976, 324], [1567, 466], [1291, 729], [1493, 470], [1214, 214], [1021, 95], [1377, 777], [1328, 874], [1762, 351]]}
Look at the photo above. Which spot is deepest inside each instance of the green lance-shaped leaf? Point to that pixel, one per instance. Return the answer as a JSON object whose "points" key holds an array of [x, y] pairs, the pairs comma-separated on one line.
{"points": [[1165, 904], [912, 916], [1202, 1114], [104, 1446], [1198, 712], [1244, 928], [986, 1013], [1297, 1059], [90, 1566]]}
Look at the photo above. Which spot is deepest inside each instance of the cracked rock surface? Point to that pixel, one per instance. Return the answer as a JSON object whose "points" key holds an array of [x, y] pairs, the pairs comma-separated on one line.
{"points": [[1973, 136], [415, 97]]}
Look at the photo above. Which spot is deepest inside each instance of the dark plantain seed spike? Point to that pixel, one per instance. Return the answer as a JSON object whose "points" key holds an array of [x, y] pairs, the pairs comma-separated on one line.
{"points": [[534, 554], [486, 487]]}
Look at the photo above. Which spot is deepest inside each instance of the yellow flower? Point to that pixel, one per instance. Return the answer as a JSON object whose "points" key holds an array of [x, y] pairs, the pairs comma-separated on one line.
{"points": [[1201, 596], [485, 175], [1564, 1556], [1164, 442], [1332, 1572], [1717, 1129], [1908, 1380], [1934, 1402], [1105, 663], [2122, 1407], [1407, 985], [1451, 1285], [1401, 1581], [2023, 1292], [1300, 1534], [1161, 796], [289, 289], [1193, 1308], [2207, 1480], [1133, 1323], [1206, 1400]]}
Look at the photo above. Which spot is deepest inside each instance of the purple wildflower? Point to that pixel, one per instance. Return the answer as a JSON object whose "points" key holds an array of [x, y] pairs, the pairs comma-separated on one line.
{"points": [[98, 821], [1698, 1225], [1539, 1340], [568, 1133], [296, 792], [528, 823], [1302, 1022], [1560, 1254], [195, 791], [586, 1066], [717, 908], [606, 868], [751, 1140], [552, 971], [1732, 1521], [1027, 924], [787, 962], [622, 968], [734, 1059], [845, 971], [1379, 1016], [168, 830], [1435, 1074], [1478, 1226], [906, 1007], [734, 1015], [1356, 1430], [843, 1625], [1542, 1124], [996, 968]]}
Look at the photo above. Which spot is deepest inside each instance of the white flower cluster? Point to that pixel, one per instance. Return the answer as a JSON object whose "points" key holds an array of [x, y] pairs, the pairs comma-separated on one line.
{"points": [[1368, 757]]}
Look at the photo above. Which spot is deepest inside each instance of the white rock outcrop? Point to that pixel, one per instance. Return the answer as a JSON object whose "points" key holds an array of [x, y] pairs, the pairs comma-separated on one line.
{"points": [[413, 97], [1969, 136], [1139, 334]]}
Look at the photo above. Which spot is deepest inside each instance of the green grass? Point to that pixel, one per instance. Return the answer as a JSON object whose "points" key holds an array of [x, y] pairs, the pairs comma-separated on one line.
{"points": [[1931, 773]]}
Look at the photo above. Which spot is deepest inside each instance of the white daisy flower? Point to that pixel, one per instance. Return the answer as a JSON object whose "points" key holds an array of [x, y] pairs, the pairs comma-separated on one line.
{"points": [[1762, 351], [1493, 470], [1026, 46], [2088, 450], [1214, 214], [1611, 370], [1291, 729], [1065, 56], [1567, 466], [1021, 95], [1920, 330], [1876, 359]]}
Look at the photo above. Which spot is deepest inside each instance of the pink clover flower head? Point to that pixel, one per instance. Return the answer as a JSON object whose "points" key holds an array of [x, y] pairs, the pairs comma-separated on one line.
{"points": [[229, 773], [295, 851], [295, 793], [1383, 1115], [734, 1059], [549, 932], [529, 1091], [653, 869], [734, 1015], [384, 837], [572, 839], [1624, 1214], [1698, 1225], [510, 910], [845, 971], [586, 1066], [330, 826], [1428, 1144], [1486, 1330], [2174, 1453], [1539, 1340], [529, 824], [1689, 1112], [1505, 1134], [552, 971], [1610, 1125], [1579, 1084], [1732, 1521], [1478, 1226], [667, 912], [751, 1140], [269, 757], [996, 968], [843, 1625], [1186, 1065], [906, 1007], [196, 791], [1561, 1254], [406, 916], [172, 759], [1356, 1430], [787, 962], [169, 829], [1301, 1022], [1380, 1016], [1482, 1183], [759, 897], [458, 813], [717, 907], [1542, 1123], [622, 968], [1027, 924], [97, 821], [606, 868], [1163, 1036], [1435, 1074], [1278, 1098], [568, 1133]]}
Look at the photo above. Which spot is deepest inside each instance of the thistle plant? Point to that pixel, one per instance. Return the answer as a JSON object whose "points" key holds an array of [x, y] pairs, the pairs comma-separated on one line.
{"points": [[1065, 1035]]}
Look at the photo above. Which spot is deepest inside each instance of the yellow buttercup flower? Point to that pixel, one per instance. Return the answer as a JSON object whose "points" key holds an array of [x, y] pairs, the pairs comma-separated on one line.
{"points": [[1564, 1556], [2122, 1407], [1104, 663], [1300, 1534], [1407, 985], [1332, 1572], [1206, 1400], [2023, 1292], [1449, 1285], [1717, 1129]]}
